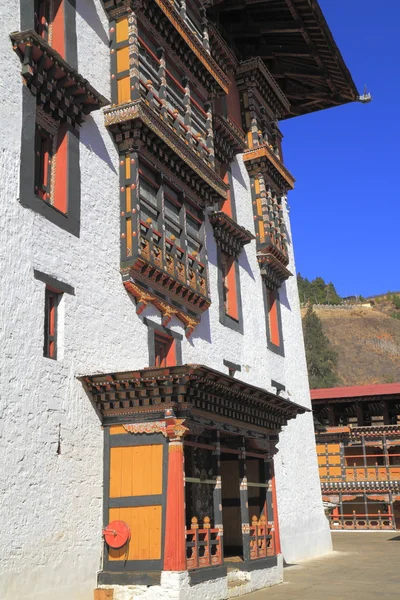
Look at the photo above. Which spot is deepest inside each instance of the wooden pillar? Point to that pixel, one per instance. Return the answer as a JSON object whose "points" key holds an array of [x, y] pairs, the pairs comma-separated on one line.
{"points": [[204, 27], [182, 10], [244, 504], [162, 92], [210, 132], [217, 493], [342, 461], [341, 508], [277, 543], [386, 456], [175, 536], [134, 56], [269, 499], [385, 412], [364, 457], [331, 415], [366, 509], [391, 509], [360, 414]]}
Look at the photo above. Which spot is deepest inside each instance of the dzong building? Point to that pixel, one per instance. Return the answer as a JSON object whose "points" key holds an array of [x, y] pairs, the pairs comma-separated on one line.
{"points": [[155, 425]]}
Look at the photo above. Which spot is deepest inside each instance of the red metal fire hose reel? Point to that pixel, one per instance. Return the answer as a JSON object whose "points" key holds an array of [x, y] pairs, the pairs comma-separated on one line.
{"points": [[116, 534]]}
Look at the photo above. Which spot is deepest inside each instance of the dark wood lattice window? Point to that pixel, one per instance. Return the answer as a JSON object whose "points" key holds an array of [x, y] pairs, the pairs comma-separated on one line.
{"points": [[52, 300], [44, 148], [42, 18], [149, 197], [164, 350]]}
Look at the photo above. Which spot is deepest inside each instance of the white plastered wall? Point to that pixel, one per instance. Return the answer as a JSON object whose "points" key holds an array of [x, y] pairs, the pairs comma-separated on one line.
{"points": [[51, 503]]}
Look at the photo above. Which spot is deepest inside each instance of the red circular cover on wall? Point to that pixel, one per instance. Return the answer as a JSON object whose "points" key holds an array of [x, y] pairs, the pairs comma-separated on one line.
{"points": [[116, 534]]}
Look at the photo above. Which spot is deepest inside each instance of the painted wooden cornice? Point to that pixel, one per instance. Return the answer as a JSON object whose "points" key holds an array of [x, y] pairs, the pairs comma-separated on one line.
{"points": [[63, 93]]}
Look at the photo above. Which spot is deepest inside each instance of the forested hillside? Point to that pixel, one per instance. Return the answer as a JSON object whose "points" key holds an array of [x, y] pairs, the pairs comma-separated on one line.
{"points": [[363, 335]]}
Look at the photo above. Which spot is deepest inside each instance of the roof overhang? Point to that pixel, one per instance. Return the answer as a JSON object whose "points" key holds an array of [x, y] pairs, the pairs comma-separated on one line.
{"points": [[187, 389], [293, 39], [357, 392]]}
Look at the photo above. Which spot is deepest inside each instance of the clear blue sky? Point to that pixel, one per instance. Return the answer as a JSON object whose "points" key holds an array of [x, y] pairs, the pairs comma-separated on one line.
{"points": [[345, 208]]}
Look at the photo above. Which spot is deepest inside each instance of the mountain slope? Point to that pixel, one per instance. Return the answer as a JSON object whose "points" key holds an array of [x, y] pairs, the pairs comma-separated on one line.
{"points": [[367, 341]]}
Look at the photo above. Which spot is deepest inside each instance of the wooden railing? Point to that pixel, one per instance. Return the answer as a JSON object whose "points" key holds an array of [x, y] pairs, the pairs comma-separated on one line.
{"points": [[261, 538], [363, 521], [164, 253], [203, 546], [367, 473], [173, 102]]}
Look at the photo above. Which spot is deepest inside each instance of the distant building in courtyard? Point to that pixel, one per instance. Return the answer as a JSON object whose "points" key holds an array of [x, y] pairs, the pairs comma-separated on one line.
{"points": [[155, 423], [358, 447]]}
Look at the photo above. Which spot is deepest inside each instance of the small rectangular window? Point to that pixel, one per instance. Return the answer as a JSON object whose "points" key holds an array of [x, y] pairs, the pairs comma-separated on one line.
{"points": [[173, 230], [52, 300], [164, 350], [44, 144], [194, 233], [273, 318]]}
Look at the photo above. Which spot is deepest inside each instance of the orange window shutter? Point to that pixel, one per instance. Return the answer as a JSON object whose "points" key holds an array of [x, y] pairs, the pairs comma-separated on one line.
{"points": [[273, 319], [231, 305]]}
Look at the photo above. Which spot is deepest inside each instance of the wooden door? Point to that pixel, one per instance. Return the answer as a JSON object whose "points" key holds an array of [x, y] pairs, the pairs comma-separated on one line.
{"points": [[135, 481]]}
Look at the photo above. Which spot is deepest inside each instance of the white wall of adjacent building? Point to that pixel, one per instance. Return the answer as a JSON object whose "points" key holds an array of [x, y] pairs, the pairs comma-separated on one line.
{"points": [[51, 443]]}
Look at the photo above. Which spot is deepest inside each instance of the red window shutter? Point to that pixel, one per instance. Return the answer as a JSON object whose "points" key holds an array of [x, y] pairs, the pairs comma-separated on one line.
{"points": [[273, 318]]}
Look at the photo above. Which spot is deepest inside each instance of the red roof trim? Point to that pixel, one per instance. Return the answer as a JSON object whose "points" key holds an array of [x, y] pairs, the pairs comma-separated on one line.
{"points": [[380, 389]]}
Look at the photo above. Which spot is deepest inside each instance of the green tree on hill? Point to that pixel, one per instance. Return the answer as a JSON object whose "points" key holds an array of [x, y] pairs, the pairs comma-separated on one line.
{"points": [[322, 359], [317, 291]]}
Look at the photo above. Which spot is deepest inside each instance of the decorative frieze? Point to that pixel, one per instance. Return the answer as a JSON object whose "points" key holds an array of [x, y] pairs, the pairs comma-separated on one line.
{"points": [[192, 389], [220, 50], [382, 486], [61, 92]]}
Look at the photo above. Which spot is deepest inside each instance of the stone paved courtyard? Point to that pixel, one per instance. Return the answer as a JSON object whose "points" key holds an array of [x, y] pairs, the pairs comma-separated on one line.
{"points": [[363, 566]]}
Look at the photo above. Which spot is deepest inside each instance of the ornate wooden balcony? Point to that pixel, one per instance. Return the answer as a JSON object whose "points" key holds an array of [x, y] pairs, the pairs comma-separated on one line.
{"points": [[165, 275], [143, 124], [229, 138], [254, 78], [166, 18], [64, 94], [229, 236], [167, 21], [272, 252], [262, 159]]}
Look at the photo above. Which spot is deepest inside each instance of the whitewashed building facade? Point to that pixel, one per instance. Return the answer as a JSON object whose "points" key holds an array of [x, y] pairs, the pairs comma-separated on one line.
{"points": [[144, 224]]}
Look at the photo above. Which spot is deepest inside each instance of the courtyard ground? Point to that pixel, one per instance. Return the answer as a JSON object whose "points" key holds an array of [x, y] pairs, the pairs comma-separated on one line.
{"points": [[363, 566]]}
